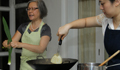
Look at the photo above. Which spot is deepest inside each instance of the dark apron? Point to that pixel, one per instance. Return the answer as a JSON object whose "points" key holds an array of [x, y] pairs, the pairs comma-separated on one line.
{"points": [[112, 44]]}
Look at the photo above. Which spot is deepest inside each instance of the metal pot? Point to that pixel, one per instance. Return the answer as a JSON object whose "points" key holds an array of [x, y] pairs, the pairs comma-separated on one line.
{"points": [[90, 66], [94, 66], [45, 64]]}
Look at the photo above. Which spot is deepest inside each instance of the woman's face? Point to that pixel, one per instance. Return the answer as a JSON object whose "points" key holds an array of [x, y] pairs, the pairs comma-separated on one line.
{"points": [[33, 11], [108, 8]]}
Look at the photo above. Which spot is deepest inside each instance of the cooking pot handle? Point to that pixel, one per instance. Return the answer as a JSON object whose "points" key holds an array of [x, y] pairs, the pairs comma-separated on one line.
{"points": [[113, 65], [40, 56]]}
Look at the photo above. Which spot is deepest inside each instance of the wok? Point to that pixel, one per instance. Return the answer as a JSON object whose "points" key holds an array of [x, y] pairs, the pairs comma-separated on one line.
{"points": [[45, 64]]}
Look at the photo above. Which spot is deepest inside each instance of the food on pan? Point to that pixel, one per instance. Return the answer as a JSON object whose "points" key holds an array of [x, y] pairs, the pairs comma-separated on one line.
{"points": [[56, 59]]}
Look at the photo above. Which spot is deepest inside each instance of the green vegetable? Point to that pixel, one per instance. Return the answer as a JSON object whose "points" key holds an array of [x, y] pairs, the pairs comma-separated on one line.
{"points": [[7, 31]]}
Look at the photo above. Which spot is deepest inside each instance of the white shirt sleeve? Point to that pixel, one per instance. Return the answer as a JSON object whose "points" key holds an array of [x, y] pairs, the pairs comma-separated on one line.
{"points": [[103, 21], [100, 18]]}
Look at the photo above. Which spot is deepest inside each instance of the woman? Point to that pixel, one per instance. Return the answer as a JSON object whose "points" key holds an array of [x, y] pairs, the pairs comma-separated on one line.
{"points": [[109, 20], [34, 35]]}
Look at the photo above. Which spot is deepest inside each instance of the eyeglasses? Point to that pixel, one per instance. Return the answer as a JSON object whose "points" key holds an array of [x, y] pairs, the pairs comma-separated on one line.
{"points": [[28, 9]]}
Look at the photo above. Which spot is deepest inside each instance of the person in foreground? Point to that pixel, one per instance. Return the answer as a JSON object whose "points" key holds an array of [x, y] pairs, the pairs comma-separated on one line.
{"points": [[109, 20], [34, 35]]}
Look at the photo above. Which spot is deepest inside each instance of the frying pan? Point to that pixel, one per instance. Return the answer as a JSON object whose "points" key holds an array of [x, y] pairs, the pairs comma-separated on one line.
{"points": [[45, 64]]}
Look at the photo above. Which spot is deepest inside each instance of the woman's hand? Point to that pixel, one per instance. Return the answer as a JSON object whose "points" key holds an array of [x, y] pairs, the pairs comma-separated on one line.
{"points": [[5, 44], [63, 31], [15, 44]]}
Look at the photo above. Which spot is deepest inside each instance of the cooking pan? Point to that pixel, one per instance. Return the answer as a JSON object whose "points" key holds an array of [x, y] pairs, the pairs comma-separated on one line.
{"points": [[93, 66], [45, 64], [97, 66], [90, 66]]}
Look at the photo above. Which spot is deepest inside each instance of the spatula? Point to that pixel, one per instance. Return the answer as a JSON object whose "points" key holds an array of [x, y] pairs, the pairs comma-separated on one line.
{"points": [[56, 59]]}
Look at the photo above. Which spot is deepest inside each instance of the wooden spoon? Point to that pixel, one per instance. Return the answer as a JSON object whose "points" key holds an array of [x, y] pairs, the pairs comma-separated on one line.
{"points": [[110, 58]]}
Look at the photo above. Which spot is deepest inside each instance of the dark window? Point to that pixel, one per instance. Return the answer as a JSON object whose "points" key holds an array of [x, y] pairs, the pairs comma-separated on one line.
{"points": [[18, 61], [4, 3], [3, 35], [21, 16], [4, 63], [21, 1], [3, 60]]}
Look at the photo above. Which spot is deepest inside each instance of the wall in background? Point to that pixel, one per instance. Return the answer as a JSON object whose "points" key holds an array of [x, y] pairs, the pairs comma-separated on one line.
{"points": [[100, 52], [61, 12], [87, 35]]}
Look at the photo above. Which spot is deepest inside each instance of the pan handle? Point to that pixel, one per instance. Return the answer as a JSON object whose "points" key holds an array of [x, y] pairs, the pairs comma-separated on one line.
{"points": [[113, 65], [60, 42], [40, 56]]}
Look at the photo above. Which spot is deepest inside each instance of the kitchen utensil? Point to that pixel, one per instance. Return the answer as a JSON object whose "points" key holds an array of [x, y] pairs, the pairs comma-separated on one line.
{"points": [[97, 66], [57, 58], [93, 66], [90, 66], [45, 64], [110, 58]]}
